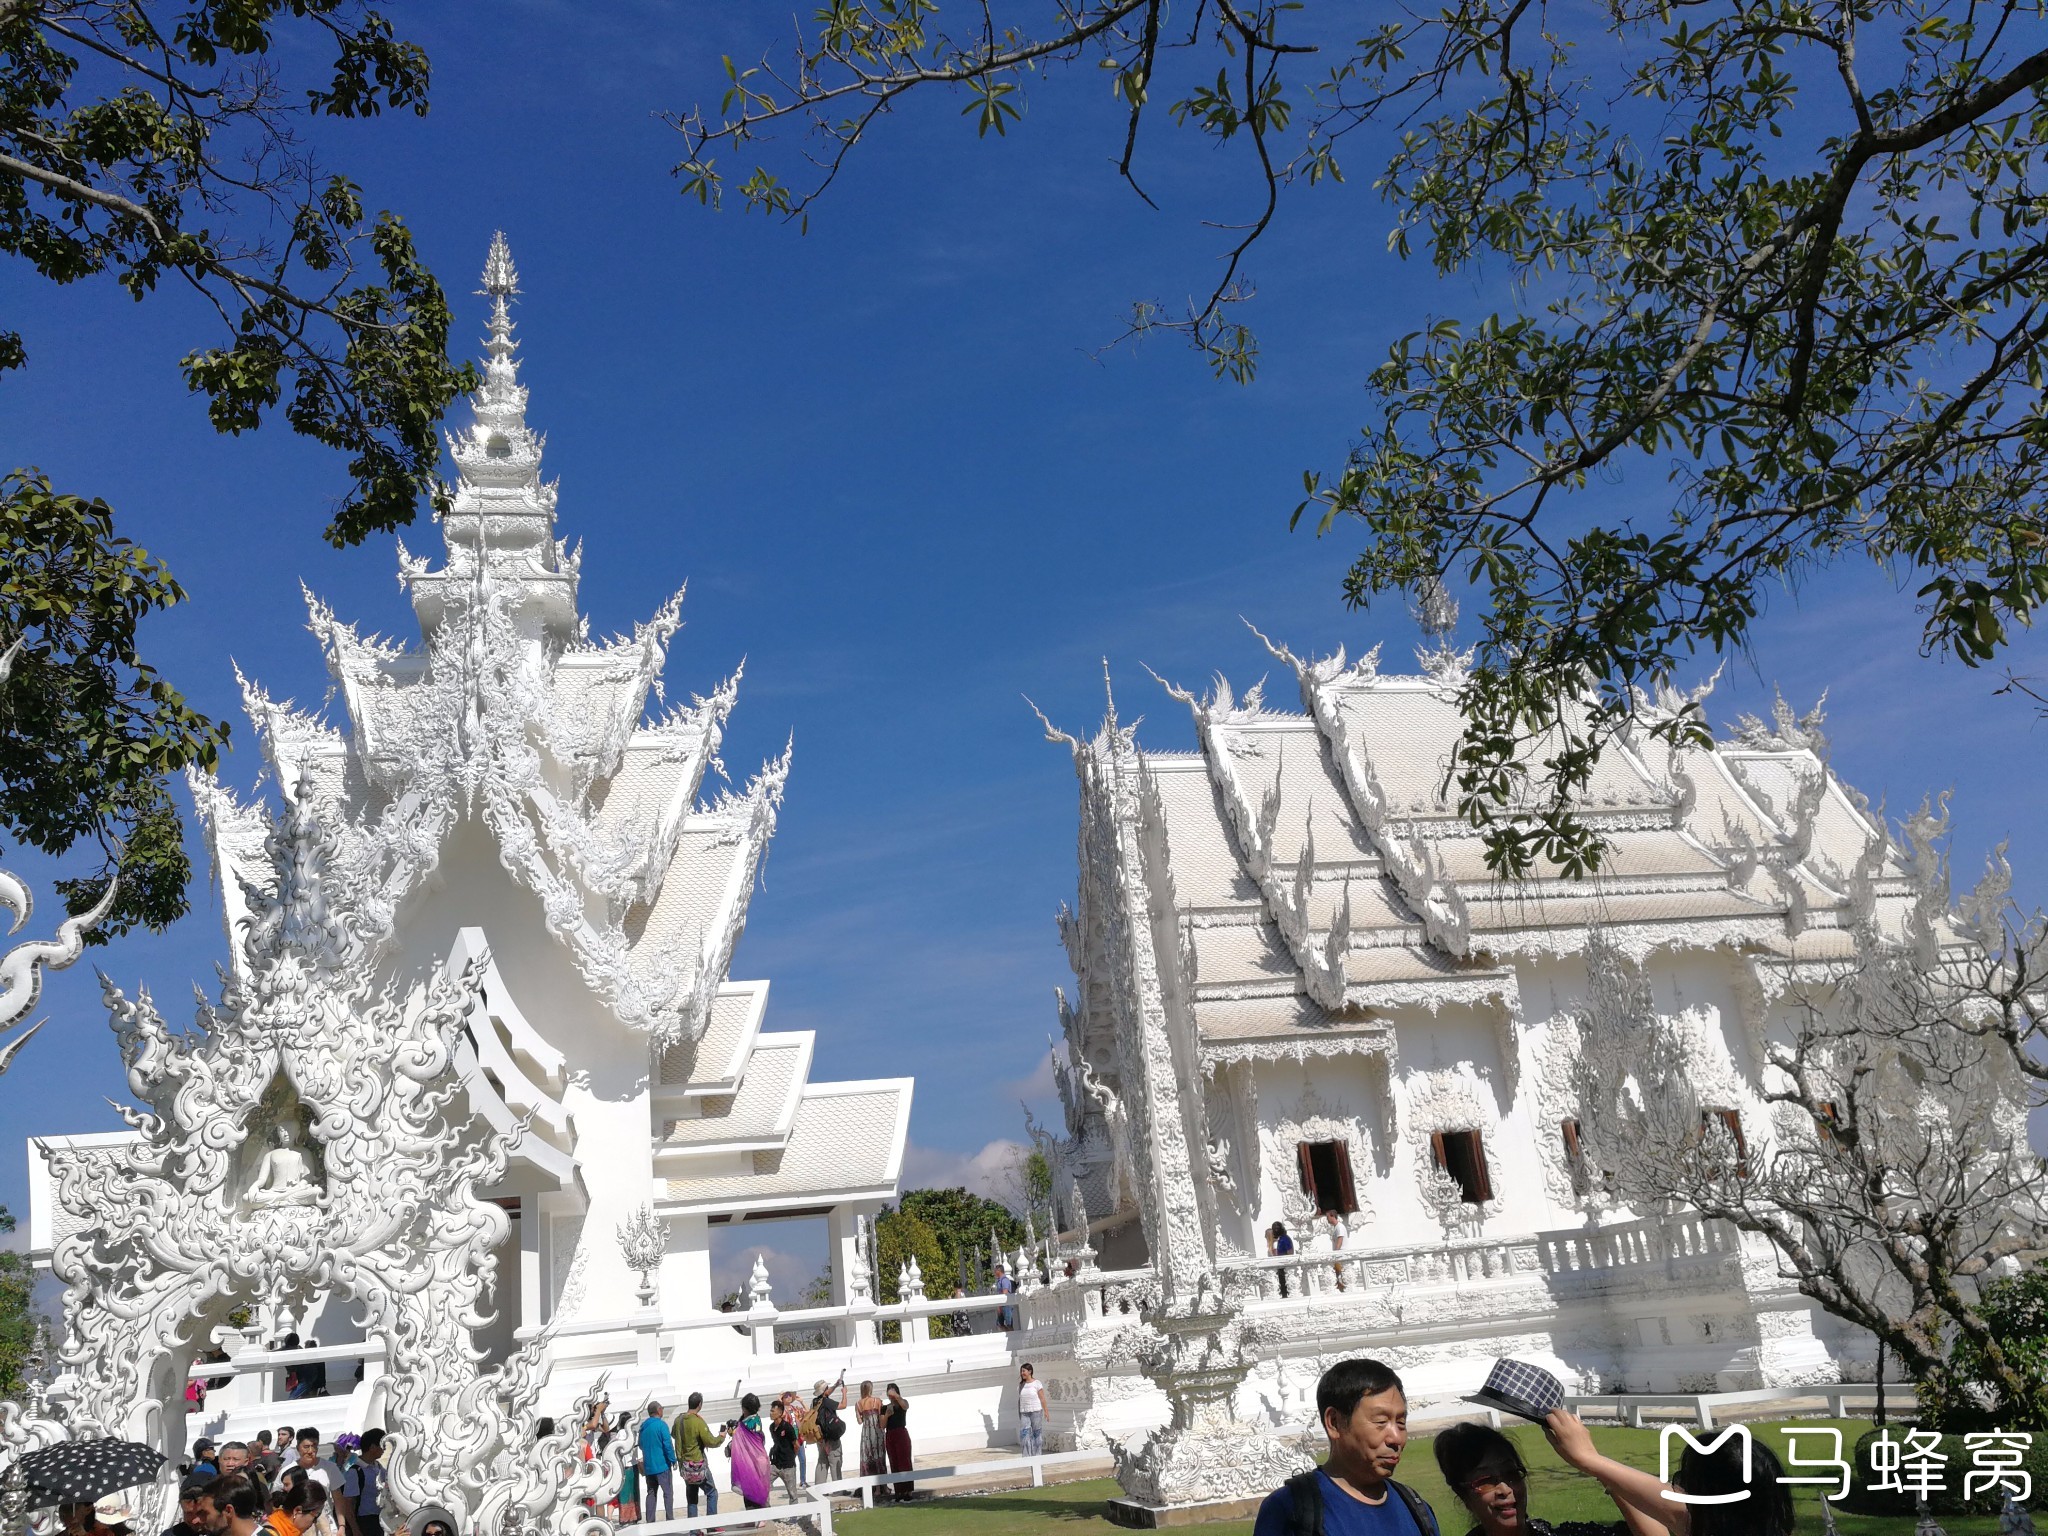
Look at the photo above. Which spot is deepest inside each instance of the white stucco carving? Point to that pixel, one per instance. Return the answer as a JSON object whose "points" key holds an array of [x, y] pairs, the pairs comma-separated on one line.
{"points": [[199, 1215], [22, 965], [643, 1238]]}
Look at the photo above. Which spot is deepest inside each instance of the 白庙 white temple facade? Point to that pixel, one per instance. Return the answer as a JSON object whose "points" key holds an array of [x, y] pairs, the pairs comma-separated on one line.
{"points": [[507, 794], [1304, 999]]}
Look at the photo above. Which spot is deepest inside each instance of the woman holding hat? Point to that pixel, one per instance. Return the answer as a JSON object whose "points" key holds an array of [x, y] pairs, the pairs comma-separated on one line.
{"points": [[1751, 1486], [1483, 1468], [110, 1516]]}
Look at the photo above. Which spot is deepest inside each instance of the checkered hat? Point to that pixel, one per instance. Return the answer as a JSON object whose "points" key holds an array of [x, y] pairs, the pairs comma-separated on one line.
{"points": [[1517, 1387]]}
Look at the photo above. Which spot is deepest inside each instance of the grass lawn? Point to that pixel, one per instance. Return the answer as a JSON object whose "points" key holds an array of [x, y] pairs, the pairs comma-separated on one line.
{"points": [[1555, 1493]]}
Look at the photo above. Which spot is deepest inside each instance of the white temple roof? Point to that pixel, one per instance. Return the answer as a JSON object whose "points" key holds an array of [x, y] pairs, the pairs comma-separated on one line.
{"points": [[1313, 860], [846, 1143], [506, 711], [759, 1114], [713, 1062]]}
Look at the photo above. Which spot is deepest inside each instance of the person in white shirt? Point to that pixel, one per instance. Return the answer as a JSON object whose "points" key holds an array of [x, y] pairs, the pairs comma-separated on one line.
{"points": [[1031, 1409], [318, 1467]]}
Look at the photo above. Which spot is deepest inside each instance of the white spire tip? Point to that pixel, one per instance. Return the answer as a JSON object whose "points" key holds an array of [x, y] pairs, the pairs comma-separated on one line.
{"points": [[501, 278]]}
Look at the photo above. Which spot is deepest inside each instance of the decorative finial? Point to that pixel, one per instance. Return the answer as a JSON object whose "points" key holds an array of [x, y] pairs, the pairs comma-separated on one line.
{"points": [[644, 1238], [501, 281], [501, 278], [1435, 613]]}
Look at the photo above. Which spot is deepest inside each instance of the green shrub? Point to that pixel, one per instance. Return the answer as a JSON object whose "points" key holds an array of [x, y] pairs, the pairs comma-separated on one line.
{"points": [[1962, 1397]]}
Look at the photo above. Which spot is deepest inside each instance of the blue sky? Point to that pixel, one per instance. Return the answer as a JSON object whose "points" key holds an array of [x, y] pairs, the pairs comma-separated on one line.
{"points": [[898, 479]]}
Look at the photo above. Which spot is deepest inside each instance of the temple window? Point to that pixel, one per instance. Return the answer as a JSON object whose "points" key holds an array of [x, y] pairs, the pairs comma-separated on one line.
{"points": [[1462, 1154], [1732, 1121], [1326, 1176]]}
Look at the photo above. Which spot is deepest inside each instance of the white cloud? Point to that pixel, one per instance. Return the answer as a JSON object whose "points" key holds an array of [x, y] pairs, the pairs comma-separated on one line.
{"points": [[1037, 1087], [995, 1170], [794, 1251]]}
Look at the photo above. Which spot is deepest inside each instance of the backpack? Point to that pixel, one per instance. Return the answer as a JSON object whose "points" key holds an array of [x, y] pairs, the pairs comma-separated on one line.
{"points": [[1308, 1506], [831, 1427]]}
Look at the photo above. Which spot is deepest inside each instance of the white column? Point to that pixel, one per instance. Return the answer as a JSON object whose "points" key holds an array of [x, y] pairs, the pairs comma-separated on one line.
{"points": [[842, 1225], [532, 1304], [686, 1268]]}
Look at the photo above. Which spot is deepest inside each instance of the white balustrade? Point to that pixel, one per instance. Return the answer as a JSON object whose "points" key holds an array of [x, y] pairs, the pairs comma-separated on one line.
{"points": [[1575, 1257]]}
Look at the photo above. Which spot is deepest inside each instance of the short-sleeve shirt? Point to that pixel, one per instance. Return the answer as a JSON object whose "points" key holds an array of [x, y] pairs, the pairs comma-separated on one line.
{"points": [[1343, 1515], [364, 1482], [322, 1472], [783, 1452], [1030, 1397]]}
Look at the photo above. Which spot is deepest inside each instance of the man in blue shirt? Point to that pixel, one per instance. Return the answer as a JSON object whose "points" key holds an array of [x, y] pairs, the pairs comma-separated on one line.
{"points": [[1365, 1413], [657, 1462], [1006, 1317]]}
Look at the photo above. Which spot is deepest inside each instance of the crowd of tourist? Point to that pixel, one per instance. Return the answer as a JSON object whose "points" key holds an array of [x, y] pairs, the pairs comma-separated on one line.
{"points": [[284, 1486], [789, 1443], [239, 1489]]}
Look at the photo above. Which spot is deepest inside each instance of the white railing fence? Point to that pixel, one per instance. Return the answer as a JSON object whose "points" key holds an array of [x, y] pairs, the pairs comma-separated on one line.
{"points": [[965, 1472], [818, 1514], [1565, 1260]]}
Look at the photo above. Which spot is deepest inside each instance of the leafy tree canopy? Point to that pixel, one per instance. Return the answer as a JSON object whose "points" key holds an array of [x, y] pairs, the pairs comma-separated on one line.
{"points": [[152, 143], [1972, 1393], [90, 728], [960, 1222], [17, 1317], [900, 1234], [1790, 254]]}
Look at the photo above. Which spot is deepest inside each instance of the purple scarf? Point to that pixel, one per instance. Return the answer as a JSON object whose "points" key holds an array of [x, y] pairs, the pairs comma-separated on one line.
{"points": [[749, 1462]]}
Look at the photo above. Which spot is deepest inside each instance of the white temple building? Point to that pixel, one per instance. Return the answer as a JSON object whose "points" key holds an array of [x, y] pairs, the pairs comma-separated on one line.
{"points": [[502, 787], [1301, 991]]}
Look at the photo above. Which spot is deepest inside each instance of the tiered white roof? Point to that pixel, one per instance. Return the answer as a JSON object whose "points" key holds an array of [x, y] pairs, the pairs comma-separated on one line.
{"points": [[1302, 877], [508, 714]]}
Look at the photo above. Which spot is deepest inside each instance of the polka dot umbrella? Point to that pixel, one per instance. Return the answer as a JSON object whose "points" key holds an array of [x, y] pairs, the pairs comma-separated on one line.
{"points": [[79, 1471]]}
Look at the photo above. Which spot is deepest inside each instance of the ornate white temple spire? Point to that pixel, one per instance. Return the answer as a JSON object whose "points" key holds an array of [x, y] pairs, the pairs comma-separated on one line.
{"points": [[500, 523], [501, 403]]}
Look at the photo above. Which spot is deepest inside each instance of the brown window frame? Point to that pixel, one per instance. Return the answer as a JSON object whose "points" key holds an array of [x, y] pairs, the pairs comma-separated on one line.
{"points": [[1475, 1180], [1342, 1196], [1575, 1156], [1829, 1122], [1732, 1119]]}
